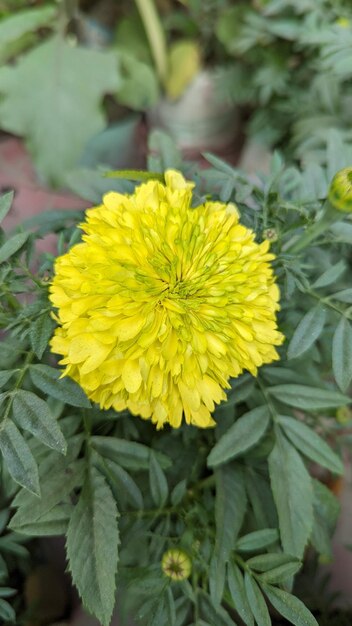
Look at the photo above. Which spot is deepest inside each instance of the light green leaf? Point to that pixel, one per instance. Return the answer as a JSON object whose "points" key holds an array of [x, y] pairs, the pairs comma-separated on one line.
{"points": [[310, 444], [139, 87], [238, 594], [293, 494], [33, 414], [48, 380], [12, 245], [52, 523], [257, 539], [18, 457], [49, 97], [92, 547], [343, 296], [331, 275], [342, 354], [40, 332], [309, 398], [290, 607], [256, 601], [244, 434], [230, 508], [5, 204], [184, 64], [307, 332], [137, 175], [14, 27], [158, 483]]}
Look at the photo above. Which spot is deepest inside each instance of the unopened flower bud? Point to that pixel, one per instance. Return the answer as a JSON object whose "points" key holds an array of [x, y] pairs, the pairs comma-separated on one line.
{"points": [[176, 564], [340, 190]]}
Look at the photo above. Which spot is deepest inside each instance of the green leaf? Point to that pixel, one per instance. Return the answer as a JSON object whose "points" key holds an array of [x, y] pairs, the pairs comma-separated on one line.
{"points": [[50, 98], [326, 512], [310, 444], [293, 494], [92, 547], [48, 380], [281, 573], [343, 296], [158, 483], [238, 594], [40, 332], [290, 607], [331, 275], [230, 508], [52, 523], [58, 482], [12, 245], [6, 611], [5, 203], [5, 376], [120, 479], [342, 353], [129, 454], [178, 492], [244, 434], [14, 27], [257, 540], [256, 601], [309, 398], [33, 414], [265, 562], [139, 88], [307, 332], [137, 175], [18, 457]]}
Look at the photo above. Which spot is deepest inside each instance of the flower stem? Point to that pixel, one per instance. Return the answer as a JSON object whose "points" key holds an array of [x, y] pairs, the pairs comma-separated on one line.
{"points": [[155, 35]]}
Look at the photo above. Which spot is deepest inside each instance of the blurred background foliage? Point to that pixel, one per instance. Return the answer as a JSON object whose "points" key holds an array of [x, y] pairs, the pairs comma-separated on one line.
{"points": [[80, 79]]}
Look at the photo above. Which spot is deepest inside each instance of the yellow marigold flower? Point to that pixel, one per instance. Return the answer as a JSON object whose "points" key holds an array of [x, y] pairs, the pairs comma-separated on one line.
{"points": [[162, 303], [340, 190], [176, 564]]}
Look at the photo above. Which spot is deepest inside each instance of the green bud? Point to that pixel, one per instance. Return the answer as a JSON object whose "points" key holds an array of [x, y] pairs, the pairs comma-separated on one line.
{"points": [[340, 190], [176, 564]]}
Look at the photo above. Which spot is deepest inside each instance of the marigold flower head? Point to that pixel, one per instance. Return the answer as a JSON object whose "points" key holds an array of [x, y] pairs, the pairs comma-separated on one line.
{"points": [[176, 564], [162, 303], [340, 190]]}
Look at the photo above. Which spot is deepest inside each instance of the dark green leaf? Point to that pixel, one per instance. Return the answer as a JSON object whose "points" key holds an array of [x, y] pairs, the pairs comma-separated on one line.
{"points": [[18, 457], [309, 398], [265, 562], [33, 414], [307, 332], [92, 547], [12, 245], [331, 275], [256, 601], [178, 492], [5, 376], [230, 508], [5, 204], [238, 594], [48, 380], [40, 332], [281, 573], [290, 607], [124, 483], [6, 611], [129, 454], [244, 434], [257, 540], [310, 444], [293, 494], [158, 483], [342, 354]]}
